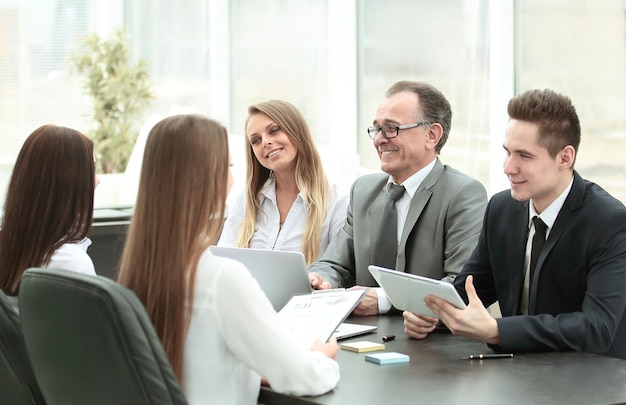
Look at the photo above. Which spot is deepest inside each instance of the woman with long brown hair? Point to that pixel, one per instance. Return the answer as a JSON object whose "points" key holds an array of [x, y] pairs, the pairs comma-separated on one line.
{"points": [[48, 208], [288, 203], [219, 330]]}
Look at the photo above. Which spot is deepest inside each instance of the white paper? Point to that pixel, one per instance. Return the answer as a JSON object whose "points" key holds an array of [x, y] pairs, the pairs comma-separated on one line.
{"points": [[317, 315]]}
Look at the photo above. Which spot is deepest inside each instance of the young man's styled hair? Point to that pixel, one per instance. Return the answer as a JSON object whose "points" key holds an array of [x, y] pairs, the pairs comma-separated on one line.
{"points": [[554, 115]]}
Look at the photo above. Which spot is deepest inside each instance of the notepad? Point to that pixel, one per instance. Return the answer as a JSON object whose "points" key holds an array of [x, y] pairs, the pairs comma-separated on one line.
{"points": [[362, 346], [317, 315], [387, 358]]}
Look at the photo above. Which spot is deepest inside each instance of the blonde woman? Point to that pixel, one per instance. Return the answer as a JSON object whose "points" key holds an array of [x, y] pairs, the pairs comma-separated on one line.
{"points": [[221, 334], [288, 203]]}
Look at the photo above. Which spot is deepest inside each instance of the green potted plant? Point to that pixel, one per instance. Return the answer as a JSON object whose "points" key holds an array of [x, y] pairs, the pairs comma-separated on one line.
{"points": [[120, 92]]}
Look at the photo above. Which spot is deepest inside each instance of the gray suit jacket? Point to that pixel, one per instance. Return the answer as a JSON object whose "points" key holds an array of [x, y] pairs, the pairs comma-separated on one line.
{"points": [[441, 230]]}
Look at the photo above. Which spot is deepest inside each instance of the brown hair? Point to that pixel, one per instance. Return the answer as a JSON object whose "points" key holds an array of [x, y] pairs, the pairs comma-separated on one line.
{"points": [[49, 201], [178, 215], [310, 176], [434, 105], [554, 115]]}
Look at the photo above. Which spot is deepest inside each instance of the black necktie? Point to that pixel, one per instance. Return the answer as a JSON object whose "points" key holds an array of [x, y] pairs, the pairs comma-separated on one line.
{"points": [[386, 248], [538, 240]]}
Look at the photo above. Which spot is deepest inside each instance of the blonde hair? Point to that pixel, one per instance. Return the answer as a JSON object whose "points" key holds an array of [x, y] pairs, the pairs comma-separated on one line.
{"points": [[310, 176], [178, 215]]}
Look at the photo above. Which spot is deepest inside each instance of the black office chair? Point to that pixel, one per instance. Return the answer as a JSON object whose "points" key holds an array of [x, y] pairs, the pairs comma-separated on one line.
{"points": [[91, 342], [17, 380]]}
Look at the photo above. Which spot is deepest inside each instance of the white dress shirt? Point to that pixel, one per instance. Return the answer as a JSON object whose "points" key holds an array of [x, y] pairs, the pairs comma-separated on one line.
{"points": [[268, 234], [235, 337], [73, 257]]}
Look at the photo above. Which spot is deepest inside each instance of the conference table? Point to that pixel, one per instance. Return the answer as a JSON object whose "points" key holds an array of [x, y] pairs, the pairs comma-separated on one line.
{"points": [[438, 374]]}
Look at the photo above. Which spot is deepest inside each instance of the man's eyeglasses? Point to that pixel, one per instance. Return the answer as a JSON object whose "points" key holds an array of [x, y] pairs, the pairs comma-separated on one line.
{"points": [[391, 131]]}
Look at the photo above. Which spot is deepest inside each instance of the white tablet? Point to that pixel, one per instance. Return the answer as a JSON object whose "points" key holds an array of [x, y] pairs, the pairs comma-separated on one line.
{"points": [[406, 291]]}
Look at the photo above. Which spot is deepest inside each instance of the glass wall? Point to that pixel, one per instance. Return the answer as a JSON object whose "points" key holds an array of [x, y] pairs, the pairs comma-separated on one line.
{"points": [[37, 37], [174, 39], [280, 51], [333, 59], [444, 43], [579, 48]]}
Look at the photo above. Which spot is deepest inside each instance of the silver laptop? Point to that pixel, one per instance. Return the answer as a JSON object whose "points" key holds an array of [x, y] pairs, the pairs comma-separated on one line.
{"points": [[280, 274], [348, 330]]}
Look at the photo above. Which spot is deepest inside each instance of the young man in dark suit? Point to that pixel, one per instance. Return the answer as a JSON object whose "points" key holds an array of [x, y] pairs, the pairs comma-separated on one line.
{"points": [[575, 296]]}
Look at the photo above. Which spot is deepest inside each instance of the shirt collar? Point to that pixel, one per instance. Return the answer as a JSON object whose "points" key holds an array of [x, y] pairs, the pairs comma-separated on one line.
{"points": [[548, 216], [269, 191], [84, 243], [412, 183]]}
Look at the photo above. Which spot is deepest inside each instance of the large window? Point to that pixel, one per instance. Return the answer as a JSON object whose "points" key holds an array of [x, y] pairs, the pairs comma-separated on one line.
{"points": [[334, 59], [444, 43], [280, 51], [579, 48], [174, 38], [37, 38]]}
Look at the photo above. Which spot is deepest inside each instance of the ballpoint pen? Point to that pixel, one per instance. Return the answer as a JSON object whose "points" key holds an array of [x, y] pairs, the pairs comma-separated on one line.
{"points": [[488, 356]]}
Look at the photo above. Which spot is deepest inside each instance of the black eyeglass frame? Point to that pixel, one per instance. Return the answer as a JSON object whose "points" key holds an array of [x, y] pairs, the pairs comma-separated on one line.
{"points": [[373, 130]]}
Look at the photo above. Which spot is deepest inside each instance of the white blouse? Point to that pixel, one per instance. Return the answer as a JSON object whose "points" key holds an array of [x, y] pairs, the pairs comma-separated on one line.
{"points": [[268, 233], [235, 337], [73, 257]]}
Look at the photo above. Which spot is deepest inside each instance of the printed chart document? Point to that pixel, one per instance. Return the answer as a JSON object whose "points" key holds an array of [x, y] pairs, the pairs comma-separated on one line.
{"points": [[317, 315]]}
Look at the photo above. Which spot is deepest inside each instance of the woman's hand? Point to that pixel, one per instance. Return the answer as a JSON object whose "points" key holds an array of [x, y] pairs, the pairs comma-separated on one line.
{"points": [[330, 349]]}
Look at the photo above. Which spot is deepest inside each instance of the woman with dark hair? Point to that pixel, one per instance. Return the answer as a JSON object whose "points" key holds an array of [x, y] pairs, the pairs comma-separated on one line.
{"points": [[48, 209], [219, 330], [288, 203]]}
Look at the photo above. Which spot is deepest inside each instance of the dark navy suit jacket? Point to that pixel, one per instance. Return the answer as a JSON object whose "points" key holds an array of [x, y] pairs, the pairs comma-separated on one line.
{"points": [[578, 293]]}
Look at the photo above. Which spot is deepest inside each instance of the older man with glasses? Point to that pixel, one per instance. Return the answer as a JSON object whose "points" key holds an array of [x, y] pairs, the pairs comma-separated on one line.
{"points": [[419, 216]]}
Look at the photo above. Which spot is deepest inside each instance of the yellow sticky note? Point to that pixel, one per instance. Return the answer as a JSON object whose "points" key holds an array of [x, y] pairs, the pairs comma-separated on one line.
{"points": [[363, 346]]}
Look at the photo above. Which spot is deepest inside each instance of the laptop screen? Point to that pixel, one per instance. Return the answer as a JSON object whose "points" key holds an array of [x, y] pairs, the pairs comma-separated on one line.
{"points": [[280, 274]]}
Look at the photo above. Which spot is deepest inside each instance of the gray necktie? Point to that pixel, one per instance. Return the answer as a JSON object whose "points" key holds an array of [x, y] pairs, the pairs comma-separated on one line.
{"points": [[538, 240], [386, 248]]}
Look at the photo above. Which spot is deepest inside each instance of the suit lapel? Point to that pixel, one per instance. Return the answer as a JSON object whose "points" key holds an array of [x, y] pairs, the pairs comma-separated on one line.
{"points": [[565, 217], [375, 213], [418, 203], [517, 252]]}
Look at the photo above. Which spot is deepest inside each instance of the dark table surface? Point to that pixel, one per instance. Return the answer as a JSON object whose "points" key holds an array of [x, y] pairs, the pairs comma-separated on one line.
{"points": [[437, 373]]}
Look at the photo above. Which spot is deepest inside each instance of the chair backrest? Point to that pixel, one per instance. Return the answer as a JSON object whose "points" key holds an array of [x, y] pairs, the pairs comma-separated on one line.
{"points": [[90, 341], [17, 380]]}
